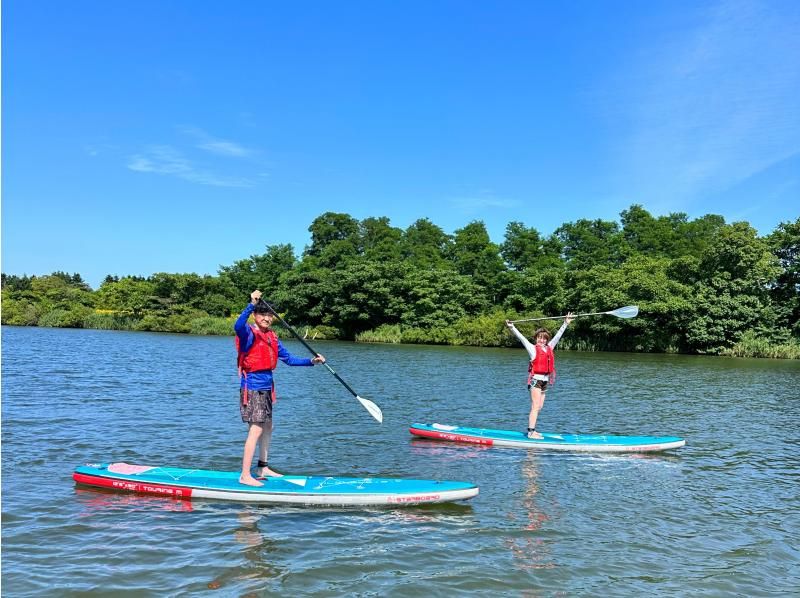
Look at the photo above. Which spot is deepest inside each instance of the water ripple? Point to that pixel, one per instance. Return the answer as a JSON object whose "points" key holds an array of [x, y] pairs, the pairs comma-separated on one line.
{"points": [[718, 517]]}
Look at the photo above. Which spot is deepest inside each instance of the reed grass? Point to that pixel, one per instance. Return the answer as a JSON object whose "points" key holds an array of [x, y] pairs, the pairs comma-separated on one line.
{"points": [[109, 321], [210, 325], [488, 330], [753, 346]]}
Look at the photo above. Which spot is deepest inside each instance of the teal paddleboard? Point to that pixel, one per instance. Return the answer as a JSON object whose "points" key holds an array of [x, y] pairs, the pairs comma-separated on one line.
{"points": [[595, 443], [180, 483]]}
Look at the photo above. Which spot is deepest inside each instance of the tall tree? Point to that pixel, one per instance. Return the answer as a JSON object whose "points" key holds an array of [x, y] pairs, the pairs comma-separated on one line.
{"points": [[522, 246], [784, 243], [731, 296], [260, 271], [698, 234], [588, 243], [474, 254], [425, 244], [642, 280], [334, 239], [525, 248], [127, 296], [651, 236], [380, 240]]}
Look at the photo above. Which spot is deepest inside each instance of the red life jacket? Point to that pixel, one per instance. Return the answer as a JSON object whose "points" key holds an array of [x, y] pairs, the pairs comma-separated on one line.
{"points": [[544, 363], [263, 355]]}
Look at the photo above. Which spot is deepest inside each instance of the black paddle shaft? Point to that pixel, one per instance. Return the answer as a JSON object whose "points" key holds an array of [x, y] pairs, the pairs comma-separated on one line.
{"points": [[307, 346]]}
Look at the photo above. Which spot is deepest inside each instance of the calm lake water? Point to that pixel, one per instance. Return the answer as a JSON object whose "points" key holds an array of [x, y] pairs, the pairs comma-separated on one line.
{"points": [[719, 517]]}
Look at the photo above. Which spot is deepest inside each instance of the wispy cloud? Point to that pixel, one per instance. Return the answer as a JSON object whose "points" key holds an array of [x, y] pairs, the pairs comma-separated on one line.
{"points": [[166, 160], [714, 106], [97, 148], [184, 161], [222, 147]]}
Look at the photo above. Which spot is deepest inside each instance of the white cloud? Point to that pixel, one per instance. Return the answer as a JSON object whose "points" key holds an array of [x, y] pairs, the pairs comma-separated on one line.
{"points": [[166, 160], [215, 145]]}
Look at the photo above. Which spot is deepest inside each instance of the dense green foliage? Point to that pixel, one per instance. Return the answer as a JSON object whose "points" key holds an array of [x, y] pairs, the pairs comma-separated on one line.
{"points": [[702, 286]]}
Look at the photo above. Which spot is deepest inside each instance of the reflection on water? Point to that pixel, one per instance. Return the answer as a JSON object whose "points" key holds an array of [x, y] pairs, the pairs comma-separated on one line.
{"points": [[422, 447], [100, 501], [530, 550], [718, 517]]}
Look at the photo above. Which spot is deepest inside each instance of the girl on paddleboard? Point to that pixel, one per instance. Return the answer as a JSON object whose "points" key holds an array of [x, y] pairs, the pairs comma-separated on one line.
{"points": [[542, 368]]}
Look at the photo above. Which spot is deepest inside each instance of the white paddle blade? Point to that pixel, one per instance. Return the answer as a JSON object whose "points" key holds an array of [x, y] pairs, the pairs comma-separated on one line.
{"points": [[373, 409], [629, 311]]}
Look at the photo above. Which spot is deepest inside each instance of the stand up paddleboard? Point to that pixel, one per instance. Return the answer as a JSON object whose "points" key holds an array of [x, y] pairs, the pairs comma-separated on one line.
{"points": [[179, 483], [560, 442]]}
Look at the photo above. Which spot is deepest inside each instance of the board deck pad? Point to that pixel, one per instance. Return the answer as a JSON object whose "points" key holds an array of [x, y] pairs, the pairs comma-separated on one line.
{"points": [[564, 442], [182, 483]]}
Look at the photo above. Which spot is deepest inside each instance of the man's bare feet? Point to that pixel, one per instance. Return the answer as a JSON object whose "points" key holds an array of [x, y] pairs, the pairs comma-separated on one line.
{"points": [[249, 480], [266, 472], [534, 435]]}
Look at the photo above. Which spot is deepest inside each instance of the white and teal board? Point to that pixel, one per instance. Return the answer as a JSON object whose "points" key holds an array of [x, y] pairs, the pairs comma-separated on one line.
{"points": [[592, 443], [180, 483]]}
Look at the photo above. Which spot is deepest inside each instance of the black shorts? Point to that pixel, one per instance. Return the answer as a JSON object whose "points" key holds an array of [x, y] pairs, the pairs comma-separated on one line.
{"points": [[258, 407], [540, 384]]}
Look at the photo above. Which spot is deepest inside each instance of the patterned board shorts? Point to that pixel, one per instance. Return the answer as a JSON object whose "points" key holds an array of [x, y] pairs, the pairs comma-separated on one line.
{"points": [[258, 409], [540, 384]]}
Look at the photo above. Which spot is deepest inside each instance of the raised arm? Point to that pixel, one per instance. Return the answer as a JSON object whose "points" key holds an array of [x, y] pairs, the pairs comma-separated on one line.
{"points": [[529, 347], [554, 341]]}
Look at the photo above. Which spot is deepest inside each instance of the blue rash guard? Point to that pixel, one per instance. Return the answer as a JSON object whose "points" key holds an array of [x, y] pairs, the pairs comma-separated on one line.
{"points": [[261, 380]]}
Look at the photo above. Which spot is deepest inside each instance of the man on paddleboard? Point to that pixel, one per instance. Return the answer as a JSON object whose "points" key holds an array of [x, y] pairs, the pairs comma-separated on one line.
{"points": [[542, 369], [258, 350]]}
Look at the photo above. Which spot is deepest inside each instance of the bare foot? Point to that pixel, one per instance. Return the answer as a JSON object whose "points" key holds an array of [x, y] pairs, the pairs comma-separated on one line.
{"points": [[266, 472], [249, 480], [535, 436]]}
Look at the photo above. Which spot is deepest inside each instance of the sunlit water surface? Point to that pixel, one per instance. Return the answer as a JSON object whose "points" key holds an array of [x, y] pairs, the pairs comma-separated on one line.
{"points": [[718, 517]]}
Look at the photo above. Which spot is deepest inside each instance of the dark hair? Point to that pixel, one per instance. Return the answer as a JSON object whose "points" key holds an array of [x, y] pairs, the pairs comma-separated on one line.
{"points": [[542, 331], [262, 307]]}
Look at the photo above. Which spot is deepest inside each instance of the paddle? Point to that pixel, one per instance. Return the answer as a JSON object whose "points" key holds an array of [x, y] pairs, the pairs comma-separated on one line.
{"points": [[629, 311], [373, 409]]}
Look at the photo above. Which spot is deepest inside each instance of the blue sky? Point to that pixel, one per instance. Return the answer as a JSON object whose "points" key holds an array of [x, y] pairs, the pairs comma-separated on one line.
{"points": [[177, 136]]}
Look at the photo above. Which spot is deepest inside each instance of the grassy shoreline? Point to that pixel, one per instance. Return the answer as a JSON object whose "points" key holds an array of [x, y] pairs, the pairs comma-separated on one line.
{"points": [[483, 331]]}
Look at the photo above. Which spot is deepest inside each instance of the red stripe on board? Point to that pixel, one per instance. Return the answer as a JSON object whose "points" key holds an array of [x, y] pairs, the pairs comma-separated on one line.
{"points": [[450, 436], [132, 486]]}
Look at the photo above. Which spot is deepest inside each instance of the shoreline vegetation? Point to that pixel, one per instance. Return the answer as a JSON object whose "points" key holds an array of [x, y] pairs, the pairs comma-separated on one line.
{"points": [[702, 287]]}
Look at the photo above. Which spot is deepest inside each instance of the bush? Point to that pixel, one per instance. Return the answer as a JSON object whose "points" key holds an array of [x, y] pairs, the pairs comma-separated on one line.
{"points": [[386, 333], [320, 333], [53, 318], [484, 331], [211, 325], [109, 321], [65, 318], [751, 345], [19, 312]]}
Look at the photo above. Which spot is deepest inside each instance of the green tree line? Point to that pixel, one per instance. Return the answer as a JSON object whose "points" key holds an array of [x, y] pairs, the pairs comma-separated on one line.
{"points": [[702, 286]]}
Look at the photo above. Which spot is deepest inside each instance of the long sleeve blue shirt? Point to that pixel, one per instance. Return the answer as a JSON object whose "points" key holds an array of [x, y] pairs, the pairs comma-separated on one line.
{"points": [[261, 380]]}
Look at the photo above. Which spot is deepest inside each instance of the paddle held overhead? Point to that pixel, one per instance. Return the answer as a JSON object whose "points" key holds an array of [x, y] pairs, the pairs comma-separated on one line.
{"points": [[629, 311]]}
